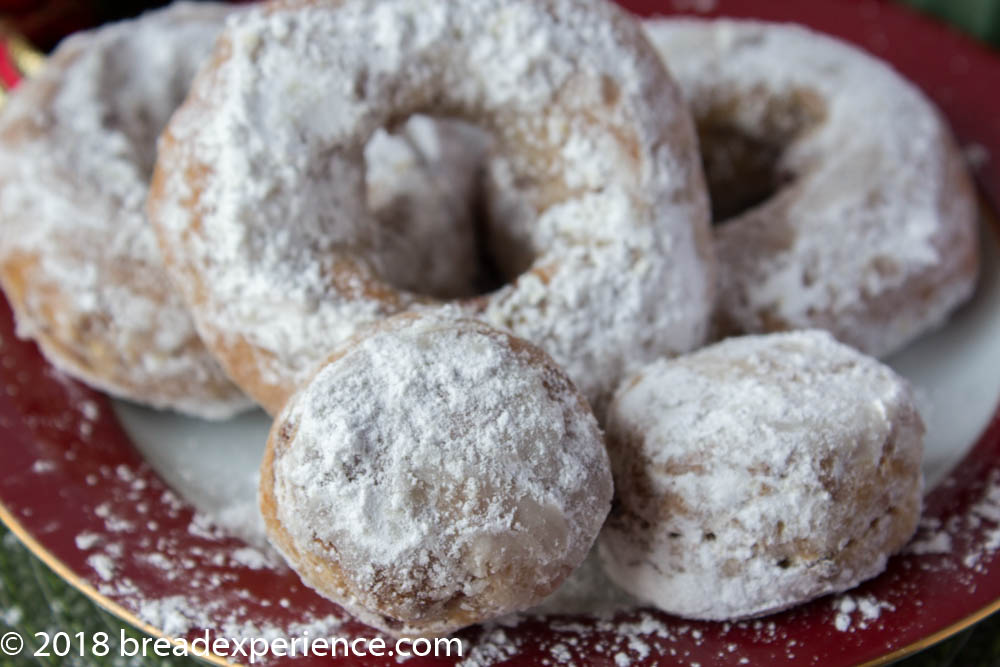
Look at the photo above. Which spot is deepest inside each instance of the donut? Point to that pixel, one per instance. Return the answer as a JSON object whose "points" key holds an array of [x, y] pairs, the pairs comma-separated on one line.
{"points": [[79, 262], [256, 195], [758, 473], [839, 197], [435, 473]]}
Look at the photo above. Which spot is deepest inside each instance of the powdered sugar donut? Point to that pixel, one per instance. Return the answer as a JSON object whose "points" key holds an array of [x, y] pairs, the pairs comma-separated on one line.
{"points": [[78, 260], [435, 473], [257, 203], [841, 200], [759, 473]]}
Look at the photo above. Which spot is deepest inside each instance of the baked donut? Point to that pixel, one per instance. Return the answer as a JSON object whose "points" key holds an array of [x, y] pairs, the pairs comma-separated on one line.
{"points": [[78, 260], [759, 473], [435, 473], [256, 194], [840, 198]]}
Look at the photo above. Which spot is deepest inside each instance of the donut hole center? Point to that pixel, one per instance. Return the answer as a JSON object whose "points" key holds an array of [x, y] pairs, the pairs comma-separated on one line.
{"points": [[425, 186], [742, 171], [745, 142]]}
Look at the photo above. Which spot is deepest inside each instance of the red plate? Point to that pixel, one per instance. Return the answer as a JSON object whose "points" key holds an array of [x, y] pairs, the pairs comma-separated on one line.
{"points": [[71, 479]]}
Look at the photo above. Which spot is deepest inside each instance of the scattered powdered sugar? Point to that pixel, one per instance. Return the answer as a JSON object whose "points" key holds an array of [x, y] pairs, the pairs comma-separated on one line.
{"points": [[42, 466], [988, 507], [175, 616], [933, 543], [617, 258], [870, 201], [498, 469], [202, 597], [86, 541], [103, 565], [77, 153], [627, 638], [857, 612], [253, 558], [89, 410], [965, 540], [977, 155]]}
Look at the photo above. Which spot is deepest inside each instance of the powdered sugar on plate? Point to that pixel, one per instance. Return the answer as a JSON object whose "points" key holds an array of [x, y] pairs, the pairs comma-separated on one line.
{"points": [[966, 541], [857, 612]]}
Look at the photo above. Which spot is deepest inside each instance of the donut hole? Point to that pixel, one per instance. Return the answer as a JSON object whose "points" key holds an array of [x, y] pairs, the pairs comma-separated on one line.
{"points": [[742, 171], [744, 146], [424, 177]]}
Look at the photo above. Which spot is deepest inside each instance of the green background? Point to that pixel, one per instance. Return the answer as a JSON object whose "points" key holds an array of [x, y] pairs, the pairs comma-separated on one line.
{"points": [[33, 599], [979, 17]]}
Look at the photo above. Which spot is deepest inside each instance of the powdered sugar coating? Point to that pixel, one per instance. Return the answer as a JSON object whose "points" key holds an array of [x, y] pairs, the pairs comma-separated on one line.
{"points": [[433, 474], [759, 473], [78, 259], [278, 264], [874, 237]]}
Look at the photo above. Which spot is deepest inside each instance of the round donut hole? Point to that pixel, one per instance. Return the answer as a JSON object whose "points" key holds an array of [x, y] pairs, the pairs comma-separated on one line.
{"points": [[743, 157], [742, 171], [425, 178]]}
